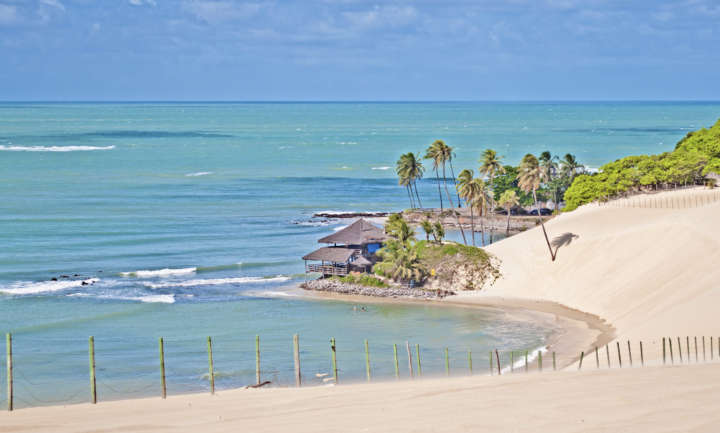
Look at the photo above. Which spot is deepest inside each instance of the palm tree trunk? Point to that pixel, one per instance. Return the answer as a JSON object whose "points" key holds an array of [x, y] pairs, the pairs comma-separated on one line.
{"points": [[417, 195], [552, 254], [472, 223], [437, 176], [412, 205], [452, 206], [482, 226], [507, 229], [452, 171]]}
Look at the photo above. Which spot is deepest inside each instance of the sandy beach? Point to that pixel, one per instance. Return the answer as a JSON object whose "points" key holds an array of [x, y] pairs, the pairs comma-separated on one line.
{"points": [[629, 273]]}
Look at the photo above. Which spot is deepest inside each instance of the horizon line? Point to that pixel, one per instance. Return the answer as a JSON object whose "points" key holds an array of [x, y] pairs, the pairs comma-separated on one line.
{"points": [[346, 101]]}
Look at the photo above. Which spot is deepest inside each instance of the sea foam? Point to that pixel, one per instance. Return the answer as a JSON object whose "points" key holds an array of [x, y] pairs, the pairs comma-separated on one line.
{"points": [[215, 282], [199, 173], [53, 148], [167, 272], [31, 288]]}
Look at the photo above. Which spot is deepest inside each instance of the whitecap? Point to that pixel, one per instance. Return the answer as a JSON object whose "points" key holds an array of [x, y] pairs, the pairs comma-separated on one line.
{"points": [[216, 281], [31, 288], [53, 148], [381, 168], [163, 299], [270, 294], [199, 173], [520, 363], [159, 272]]}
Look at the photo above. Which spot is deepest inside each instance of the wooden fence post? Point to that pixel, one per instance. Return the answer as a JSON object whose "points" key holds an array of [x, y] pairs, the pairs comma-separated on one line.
{"points": [[696, 350], [664, 356], [470, 361], [367, 360], [687, 346], [211, 367], [642, 356], [619, 356], [712, 352], [491, 363], [397, 364], [410, 362], [9, 365], [257, 359], [93, 389], [512, 362], [334, 359], [539, 361], [597, 358], [672, 357], [296, 358], [704, 354], [162, 368], [629, 353], [417, 355], [526, 361], [582, 355], [680, 350], [447, 362], [607, 352], [554, 363], [497, 358]]}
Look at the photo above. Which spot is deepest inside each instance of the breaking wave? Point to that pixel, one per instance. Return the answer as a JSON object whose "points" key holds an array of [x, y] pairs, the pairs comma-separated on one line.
{"points": [[199, 173], [53, 148], [385, 167], [167, 272], [31, 288], [215, 282]]}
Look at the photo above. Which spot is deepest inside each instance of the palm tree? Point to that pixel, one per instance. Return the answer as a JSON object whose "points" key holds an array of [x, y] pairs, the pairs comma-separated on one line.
{"points": [[529, 179], [508, 200], [403, 178], [467, 189], [491, 166], [409, 168], [433, 153], [438, 231], [427, 228], [569, 166], [442, 153], [480, 202]]}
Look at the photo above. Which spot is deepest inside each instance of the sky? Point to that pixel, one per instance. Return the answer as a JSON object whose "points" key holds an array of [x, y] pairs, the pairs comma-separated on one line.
{"points": [[359, 50]]}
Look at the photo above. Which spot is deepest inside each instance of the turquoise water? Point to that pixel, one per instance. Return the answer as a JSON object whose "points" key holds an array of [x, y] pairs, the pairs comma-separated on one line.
{"points": [[188, 220]]}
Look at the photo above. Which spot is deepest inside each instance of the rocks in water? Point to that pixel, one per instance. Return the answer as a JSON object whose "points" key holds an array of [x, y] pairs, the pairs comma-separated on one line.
{"points": [[336, 286], [53, 279], [350, 214]]}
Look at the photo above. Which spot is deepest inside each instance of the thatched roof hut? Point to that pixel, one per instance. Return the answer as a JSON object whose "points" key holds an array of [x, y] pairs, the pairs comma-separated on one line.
{"points": [[360, 232]]}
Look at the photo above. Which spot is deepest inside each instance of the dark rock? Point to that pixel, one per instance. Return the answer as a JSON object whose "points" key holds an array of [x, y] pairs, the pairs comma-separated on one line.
{"points": [[336, 286]]}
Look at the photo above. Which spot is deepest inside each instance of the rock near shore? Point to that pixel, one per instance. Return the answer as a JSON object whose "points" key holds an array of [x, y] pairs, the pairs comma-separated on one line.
{"points": [[335, 286]]}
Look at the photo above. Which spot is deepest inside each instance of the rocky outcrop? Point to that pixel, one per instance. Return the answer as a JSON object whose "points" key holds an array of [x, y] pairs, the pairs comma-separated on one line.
{"points": [[350, 214], [336, 286], [457, 274]]}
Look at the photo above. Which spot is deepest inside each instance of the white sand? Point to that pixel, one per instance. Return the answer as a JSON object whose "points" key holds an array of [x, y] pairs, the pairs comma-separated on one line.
{"points": [[648, 272]]}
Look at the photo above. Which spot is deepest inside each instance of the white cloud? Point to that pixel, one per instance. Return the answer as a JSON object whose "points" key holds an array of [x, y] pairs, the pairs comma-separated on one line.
{"points": [[393, 16], [143, 2], [8, 14], [53, 3], [218, 11]]}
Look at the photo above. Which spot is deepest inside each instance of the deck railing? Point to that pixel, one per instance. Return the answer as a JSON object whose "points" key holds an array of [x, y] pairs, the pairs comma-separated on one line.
{"points": [[328, 269]]}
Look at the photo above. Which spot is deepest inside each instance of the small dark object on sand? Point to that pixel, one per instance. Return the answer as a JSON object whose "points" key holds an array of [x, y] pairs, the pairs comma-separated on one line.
{"points": [[258, 385]]}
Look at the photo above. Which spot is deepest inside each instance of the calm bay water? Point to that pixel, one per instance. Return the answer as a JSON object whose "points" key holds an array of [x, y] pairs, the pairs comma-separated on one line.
{"points": [[188, 220]]}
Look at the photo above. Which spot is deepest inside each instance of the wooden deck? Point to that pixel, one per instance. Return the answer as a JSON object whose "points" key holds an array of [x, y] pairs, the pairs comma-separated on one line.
{"points": [[328, 269]]}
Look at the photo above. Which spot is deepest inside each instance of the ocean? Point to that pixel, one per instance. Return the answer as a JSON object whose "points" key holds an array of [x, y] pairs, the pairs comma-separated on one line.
{"points": [[188, 220]]}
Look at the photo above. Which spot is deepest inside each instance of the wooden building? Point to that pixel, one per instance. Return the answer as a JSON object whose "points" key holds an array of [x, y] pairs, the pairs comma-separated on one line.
{"points": [[353, 250]]}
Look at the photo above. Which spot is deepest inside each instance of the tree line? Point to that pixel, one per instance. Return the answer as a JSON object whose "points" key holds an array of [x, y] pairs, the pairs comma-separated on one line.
{"points": [[695, 157], [496, 186]]}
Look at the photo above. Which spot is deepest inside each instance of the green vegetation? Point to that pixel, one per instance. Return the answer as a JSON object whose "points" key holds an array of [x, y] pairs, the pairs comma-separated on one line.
{"points": [[399, 256], [431, 254], [440, 153], [363, 280], [694, 157], [508, 200]]}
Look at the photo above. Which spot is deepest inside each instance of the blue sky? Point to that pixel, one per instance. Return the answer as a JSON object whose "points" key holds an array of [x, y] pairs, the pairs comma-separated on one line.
{"points": [[359, 50]]}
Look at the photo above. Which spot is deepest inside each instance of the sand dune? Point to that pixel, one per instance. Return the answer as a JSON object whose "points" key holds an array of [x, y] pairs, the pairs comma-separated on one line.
{"points": [[649, 272]]}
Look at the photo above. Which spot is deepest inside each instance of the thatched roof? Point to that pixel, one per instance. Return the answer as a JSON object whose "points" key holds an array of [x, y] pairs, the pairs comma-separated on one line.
{"points": [[361, 261], [358, 233], [331, 254]]}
